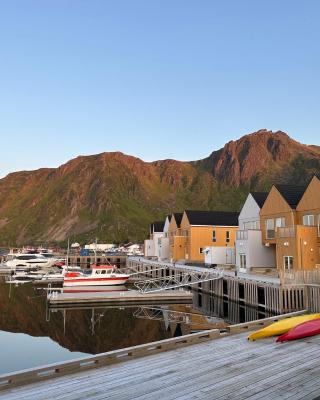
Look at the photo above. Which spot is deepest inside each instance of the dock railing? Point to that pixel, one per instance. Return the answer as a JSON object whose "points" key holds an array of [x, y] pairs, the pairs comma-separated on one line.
{"points": [[33, 375], [301, 277]]}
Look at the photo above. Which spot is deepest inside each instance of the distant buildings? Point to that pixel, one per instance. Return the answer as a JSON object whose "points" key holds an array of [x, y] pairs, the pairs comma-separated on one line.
{"points": [[279, 230]]}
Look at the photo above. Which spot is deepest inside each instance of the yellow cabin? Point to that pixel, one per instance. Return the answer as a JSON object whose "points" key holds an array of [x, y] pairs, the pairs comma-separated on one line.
{"points": [[200, 229]]}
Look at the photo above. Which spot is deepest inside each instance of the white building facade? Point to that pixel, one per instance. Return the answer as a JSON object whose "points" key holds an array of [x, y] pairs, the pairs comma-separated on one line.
{"points": [[249, 250], [153, 245], [163, 244], [215, 256]]}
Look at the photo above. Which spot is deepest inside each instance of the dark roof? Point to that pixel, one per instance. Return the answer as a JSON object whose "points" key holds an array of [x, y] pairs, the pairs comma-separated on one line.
{"points": [[157, 226], [222, 218], [260, 197], [291, 193], [178, 218]]}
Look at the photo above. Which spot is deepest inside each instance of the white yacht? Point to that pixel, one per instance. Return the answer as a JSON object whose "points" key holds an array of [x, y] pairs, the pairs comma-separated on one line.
{"points": [[19, 260]]}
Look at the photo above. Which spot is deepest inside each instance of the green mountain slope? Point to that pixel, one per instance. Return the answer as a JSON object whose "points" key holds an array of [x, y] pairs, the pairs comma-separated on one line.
{"points": [[114, 196]]}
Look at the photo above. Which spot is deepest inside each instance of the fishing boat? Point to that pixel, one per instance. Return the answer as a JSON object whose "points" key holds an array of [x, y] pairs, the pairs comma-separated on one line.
{"points": [[102, 275], [306, 329], [282, 326]]}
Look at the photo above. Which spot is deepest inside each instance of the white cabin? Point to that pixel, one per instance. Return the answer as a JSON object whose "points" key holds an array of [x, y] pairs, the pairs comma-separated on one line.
{"points": [[249, 249]]}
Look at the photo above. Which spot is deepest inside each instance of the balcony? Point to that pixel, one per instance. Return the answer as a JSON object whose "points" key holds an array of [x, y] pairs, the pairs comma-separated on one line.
{"points": [[242, 235], [287, 232]]}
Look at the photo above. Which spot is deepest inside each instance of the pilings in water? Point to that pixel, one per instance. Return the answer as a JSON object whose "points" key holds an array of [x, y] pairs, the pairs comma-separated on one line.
{"points": [[263, 293]]}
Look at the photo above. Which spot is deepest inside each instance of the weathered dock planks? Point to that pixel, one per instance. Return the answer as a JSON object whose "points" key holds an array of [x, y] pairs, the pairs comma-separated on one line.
{"points": [[228, 368]]}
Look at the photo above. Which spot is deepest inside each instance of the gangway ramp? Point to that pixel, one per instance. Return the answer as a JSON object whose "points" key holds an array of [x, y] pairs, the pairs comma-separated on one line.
{"points": [[184, 278]]}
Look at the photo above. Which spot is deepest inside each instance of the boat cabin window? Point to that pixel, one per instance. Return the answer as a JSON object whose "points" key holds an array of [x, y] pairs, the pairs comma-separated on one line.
{"points": [[103, 271], [98, 271]]}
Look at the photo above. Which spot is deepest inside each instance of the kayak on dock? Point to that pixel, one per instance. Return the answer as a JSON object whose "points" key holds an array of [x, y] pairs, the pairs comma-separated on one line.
{"points": [[282, 326], [306, 329]]}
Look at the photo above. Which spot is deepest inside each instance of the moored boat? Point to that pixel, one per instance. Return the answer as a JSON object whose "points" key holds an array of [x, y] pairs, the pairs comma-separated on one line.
{"points": [[102, 275], [306, 329], [282, 326]]}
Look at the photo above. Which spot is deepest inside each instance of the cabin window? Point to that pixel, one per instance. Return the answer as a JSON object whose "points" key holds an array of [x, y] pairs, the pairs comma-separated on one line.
{"points": [[308, 220], [255, 225], [288, 262], [280, 222], [103, 271], [214, 237], [243, 261], [228, 236], [270, 229], [201, 250], [98, 271]]}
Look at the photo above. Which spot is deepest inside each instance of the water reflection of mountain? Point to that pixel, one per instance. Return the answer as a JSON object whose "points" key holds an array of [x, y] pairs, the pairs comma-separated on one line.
{"points": [[25, 311]]}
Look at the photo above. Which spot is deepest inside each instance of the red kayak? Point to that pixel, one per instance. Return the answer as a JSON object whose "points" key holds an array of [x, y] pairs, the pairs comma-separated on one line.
{"points": [[306, 329]]}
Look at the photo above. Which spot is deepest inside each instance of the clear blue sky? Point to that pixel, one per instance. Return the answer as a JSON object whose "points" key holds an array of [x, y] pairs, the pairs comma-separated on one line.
{"points": [[156, 79]]}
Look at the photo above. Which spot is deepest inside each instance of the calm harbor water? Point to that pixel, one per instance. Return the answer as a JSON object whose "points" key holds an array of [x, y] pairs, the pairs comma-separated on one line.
{"points": [[31, 334]]}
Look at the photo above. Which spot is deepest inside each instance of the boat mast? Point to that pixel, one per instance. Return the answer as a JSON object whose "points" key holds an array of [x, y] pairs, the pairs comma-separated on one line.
{"points": [[68, 251], [95, 251]]}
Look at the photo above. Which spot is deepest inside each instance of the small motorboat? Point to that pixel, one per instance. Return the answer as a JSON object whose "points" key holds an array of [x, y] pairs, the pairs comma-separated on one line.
{"points": [[102, 275], [282, 326], [306, 329]]}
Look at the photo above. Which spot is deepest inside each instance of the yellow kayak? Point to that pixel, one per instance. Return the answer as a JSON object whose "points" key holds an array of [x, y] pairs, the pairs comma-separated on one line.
{"points": [[282, 326]]}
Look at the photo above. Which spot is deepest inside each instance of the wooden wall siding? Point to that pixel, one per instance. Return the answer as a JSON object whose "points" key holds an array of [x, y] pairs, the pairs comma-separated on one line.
{"points": [[310, 201], [178, 249], [201, 236], [303, 247], [310, 204], [275, 206]]}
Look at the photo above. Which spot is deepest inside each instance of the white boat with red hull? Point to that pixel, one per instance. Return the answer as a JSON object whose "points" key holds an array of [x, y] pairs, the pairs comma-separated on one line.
{"points": [[102, 275]]}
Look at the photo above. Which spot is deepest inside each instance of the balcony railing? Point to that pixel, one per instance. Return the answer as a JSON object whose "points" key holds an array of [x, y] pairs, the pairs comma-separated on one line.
{"points": [[242, 235], [287, 232]]}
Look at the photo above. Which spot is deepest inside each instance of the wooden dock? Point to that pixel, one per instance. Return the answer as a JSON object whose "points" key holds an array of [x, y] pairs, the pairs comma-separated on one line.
{"points": [[215, 365], [220, 369], [119, 298]]}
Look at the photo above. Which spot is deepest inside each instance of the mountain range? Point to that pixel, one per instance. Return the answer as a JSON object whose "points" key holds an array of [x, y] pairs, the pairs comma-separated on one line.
{"points": [[114, 197]]}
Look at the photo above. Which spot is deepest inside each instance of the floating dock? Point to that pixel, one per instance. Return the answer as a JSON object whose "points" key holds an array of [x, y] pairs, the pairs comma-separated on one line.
{"points": [[210, 365], [119, 298]]}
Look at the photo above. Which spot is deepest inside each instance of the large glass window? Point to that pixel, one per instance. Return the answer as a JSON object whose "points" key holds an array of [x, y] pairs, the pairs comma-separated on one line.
{"points": [[308, 220], [270, 229], [280, 222], [243, 261], [288, 262]]}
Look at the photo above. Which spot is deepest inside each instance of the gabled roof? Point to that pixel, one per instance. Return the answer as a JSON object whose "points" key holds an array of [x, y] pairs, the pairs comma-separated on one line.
{"points": [[260, 197], [178, 218], [291, 193], [157, 226], [222, 218]]}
